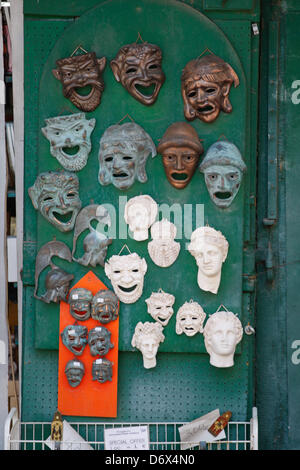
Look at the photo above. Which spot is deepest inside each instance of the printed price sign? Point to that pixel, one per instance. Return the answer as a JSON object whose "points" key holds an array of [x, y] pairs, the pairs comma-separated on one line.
{"points": [[127, 438]]}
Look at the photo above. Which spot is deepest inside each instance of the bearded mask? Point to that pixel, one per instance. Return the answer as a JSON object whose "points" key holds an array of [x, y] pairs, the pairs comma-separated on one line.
{"points": [[80, 303], [99, 341], [74, 337], [138, 68], [81, 71], [56, 196], [163, 249], [74, 371], [105, 306], [102, 370], [70, 139], [205, 87]]}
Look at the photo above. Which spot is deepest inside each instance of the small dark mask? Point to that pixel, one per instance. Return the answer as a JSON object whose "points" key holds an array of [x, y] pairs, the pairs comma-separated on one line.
{"points": [[102, 370]]}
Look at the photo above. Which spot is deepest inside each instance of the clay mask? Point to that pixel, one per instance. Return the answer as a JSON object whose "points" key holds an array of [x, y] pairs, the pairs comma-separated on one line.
{"points": [[102, 370], [123, 154], [210, 248], [105, 306], [74, 337], [205, 87], [74, 371], [96, 242], [126, 274], [99, 341], [78, 73], [140, 213], [163, 249], [190, 318], [160, 307], [223, 169], [70, 139], [138, 68], [56, 196], [80, 303], [222, 332], [147, 337], [180, 148]]}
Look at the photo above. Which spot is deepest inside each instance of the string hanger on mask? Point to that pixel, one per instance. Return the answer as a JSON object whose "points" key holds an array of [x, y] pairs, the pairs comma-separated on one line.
{"points": [[204, 52], [78, 48], [123, 247], [222, 137], [139, 38], [126, 116]]}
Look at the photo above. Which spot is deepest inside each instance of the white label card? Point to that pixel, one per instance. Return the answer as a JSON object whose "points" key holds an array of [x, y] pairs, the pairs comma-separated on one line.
{"points": [[127, 438]]}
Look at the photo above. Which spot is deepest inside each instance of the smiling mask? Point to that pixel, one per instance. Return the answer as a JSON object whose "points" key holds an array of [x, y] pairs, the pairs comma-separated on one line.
{"points": [[80, 303], [74, 337], [160, 307]]}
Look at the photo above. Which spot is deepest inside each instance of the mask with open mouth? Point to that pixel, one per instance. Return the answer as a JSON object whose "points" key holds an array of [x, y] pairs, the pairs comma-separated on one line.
{"points": [[70, 139], [56, 196], [138, 68], [105, 306], [74, 337], [99, 341], [80, 303], [160, 306], [74, 371], [102, 370], [190, 318], [205, 87]]}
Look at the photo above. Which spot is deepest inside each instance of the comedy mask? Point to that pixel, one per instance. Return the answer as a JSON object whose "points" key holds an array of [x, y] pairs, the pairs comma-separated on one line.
{"points": [[74, 371], [205, 87], [80, 71], [140, 213], [190, 318], [102, 370], [222, 332], [223, 169], [57, 281], [160, 307], [70, 139], [138, 68], [180, 148], [56, 196], [147, 337], [96, 242], [124, 149], [74, 337], [163, 249], [80, 303], [99, 341], [126, 274], [105, 306], [210, 248]]}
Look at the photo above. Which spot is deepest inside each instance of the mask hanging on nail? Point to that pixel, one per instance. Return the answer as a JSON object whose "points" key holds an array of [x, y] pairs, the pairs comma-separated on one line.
{"points": [[190, 318], [102, 370], [160, 306], [80, 303], [99, 341], [163, 249], [74, 337], [105, 306], [74, 371], [140, 213], [147, 338]]}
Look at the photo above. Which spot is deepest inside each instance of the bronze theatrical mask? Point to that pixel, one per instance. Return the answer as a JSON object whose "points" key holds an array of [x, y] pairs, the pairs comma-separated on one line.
{"points": [[105, 306], [205, 87], [180, 148], [76, 73], [138, 68]]}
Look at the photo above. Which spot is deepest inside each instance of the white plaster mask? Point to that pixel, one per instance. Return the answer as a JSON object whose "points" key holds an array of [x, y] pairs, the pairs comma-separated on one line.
{"points": [[70, 139], [126, 274], [163, 249], [140, 213], [160, 307], [147, 338], [210, 248], [222, 332], [190, 318]]}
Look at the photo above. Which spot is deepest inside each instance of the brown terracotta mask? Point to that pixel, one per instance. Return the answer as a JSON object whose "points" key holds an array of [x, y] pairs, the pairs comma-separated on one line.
{"points": [[180, 148], [81, 72], [205, 87], [138, 68]]}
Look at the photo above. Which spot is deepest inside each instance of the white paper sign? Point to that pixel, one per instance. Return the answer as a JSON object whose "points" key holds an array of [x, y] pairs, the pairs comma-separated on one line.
{"points": [[196, 431], [129, 438], [71, 440]]}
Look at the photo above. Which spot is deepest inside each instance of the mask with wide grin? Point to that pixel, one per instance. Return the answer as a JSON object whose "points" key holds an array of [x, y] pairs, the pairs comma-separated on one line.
{"points": [[74, 337], [80, 303]]}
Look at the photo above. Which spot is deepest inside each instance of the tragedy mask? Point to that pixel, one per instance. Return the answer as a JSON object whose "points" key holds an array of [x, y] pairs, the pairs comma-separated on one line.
{"points": [[99, 341], [79, 73], [96, 242], [210, 248], [126, 274], [147, 338], [70, 139], [160, 306], [205, 87], [180, 148], [223, 169], [102, 370], [56, 196], [124, 149], [190, 318], [74, 337], [138, 68], [105, 306], [140, 213], [222, 332], [163, 249], [74, 371], [80, 303]]}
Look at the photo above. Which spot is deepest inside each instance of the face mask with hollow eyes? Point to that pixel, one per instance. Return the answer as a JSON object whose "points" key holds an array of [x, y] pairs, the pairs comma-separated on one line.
{"points": [[74, 371], [99, 341], [102, 370], [74, 337]]}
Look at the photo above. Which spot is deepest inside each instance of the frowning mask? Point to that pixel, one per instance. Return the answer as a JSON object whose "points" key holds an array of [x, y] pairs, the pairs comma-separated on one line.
{"points": [[140, 213], [138, 68], [99, 341], [163, 249], [205, 87], [74, 371], [102, 370], [190, 318], [147, 338], [78, 72], [160, 307], [80, 303], [74, 337], [123, 154], [105, 306], [56, 196], [70, 139]]}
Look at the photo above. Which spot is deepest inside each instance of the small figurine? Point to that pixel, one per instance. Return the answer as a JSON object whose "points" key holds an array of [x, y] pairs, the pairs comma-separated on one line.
{"points": [[80, 303], [220, 424], [147, 337], [190, 318], [140, 213]]}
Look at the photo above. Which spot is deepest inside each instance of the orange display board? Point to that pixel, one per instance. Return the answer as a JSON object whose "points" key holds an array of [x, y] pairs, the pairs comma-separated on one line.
{"points": [[90, 398]]}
